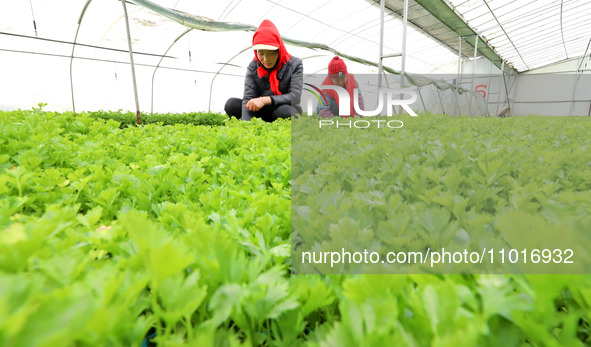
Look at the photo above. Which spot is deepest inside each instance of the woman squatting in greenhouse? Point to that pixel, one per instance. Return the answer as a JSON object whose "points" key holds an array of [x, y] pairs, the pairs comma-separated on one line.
{"points": [[273, 81], [338, 76]]}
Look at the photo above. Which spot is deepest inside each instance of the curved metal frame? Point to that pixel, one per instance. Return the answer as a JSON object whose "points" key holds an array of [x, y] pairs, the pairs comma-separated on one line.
{"points": [[217, 73], [74, 47], [158, 65]]}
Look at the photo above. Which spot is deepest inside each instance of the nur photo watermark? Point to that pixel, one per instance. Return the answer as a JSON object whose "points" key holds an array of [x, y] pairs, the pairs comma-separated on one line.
{"points": [[357, 96]]}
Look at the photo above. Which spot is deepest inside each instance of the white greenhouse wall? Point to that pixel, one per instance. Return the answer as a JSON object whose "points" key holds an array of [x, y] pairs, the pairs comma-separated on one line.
{"points": [[555, 90], [552, 94]]}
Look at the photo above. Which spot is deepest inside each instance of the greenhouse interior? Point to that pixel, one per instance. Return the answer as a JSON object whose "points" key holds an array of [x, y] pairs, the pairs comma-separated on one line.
{"points": [[403, 173]]}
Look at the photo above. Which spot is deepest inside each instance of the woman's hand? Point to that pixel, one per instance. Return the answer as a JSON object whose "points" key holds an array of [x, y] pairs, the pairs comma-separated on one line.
{"points": [[256, 104], [326, 113]]}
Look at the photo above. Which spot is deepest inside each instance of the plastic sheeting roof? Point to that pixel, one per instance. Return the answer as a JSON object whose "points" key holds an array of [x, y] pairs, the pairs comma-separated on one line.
{"points": [[438, 20], [36, 39], [351, 26], [525, 33], [530, 33]]}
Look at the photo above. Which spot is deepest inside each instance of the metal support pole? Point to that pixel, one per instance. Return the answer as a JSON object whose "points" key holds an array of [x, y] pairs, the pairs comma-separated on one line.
{"points": [[440, 101], [459, 63], [514, 88], [422, 101], [507, 95], [499, 94], [382, 6], [473, 71], [468, 97], [572, 104], [486, 112], [457, 94], [137, 104], [488, 87], [456, 106], [386, 79], [403, 62], [584, 55]]}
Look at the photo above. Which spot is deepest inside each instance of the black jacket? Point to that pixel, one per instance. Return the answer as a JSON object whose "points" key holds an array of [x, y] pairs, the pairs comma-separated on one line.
{"points": [[291, 79]]}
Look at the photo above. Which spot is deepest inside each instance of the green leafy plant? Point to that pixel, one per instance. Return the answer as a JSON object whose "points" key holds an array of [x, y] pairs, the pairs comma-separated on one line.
{"points": [[113, 234], [130, 119]]}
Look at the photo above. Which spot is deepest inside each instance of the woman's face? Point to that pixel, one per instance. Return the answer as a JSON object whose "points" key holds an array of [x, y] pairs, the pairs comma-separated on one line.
{"points": [[268, 57], [338, 80]]}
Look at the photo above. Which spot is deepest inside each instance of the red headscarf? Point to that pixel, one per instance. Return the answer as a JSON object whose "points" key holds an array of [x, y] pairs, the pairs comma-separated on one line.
{"points": [[335, 66], [267, 34]]}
